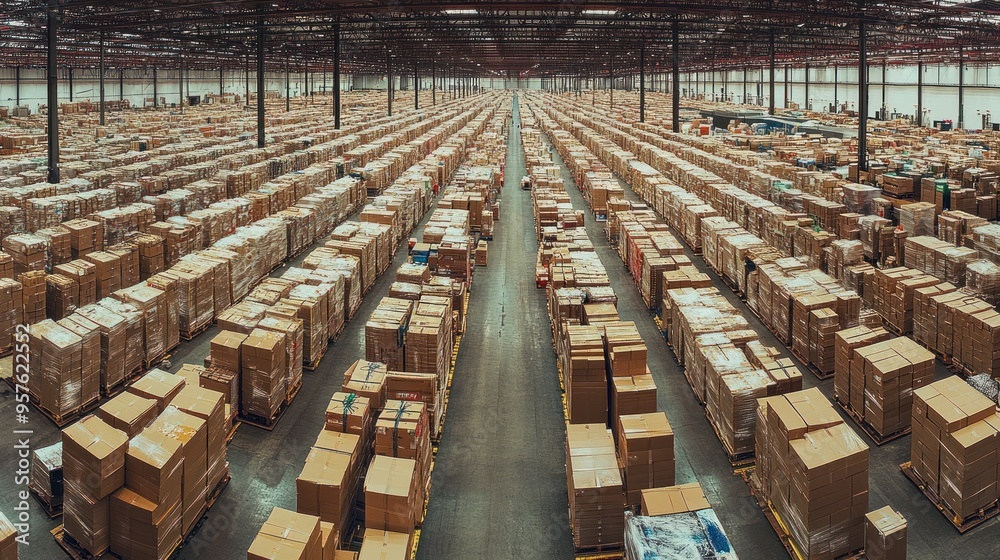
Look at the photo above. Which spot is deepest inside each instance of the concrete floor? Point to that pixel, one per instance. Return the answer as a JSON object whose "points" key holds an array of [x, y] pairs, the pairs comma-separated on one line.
{"points": [[499, 483]]}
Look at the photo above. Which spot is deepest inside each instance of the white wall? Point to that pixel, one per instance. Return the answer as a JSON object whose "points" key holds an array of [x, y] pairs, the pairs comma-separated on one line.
{"points": [[982, 89]]}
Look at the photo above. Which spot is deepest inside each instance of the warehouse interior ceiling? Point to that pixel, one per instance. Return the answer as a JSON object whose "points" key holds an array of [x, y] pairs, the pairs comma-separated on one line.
{"points": [[498, 37]]}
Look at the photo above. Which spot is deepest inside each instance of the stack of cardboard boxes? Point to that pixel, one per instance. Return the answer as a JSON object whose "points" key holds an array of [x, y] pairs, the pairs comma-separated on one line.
{"points": [[93, 469], [885, 535], [585, 375], [955, 433], [384, 332], [846, 383], [884, 376], [646, 450], [287, 534], [263, 376], [596, 490], [328, 484], [814, 472]]}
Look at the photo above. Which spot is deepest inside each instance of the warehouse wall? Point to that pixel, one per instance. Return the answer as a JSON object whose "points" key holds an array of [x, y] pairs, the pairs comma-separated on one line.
{"points": [[139, 84], [982, 89]]}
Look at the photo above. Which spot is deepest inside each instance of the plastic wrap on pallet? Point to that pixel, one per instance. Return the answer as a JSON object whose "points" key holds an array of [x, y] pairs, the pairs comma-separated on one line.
{"points": [[681, 536], [982, 278]]}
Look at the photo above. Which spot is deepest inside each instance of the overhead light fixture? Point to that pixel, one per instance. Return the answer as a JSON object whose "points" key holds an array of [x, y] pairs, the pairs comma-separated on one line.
{"points": [[461, 12], [599, 12], [946, 37]]}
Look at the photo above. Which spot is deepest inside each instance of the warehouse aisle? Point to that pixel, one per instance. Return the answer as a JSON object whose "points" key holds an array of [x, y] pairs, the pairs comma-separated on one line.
{"points": [[498, 490], [700, 455], [264, 464]]}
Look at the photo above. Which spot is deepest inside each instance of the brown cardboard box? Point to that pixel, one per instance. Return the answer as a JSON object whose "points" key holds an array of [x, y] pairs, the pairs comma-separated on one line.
{"points": [[330, 539], [327, 487], [8, 539], [421, 387], [646, 448], [631, 395], [225, 350], [378, 544], [350, 413], [88, 521], [55, 359], [885, 535], [154, 470], [139, 529], [367, 379], [673, 499], [128, 412], [93, 457], [159, 386], [287, 534], [392, 496]]}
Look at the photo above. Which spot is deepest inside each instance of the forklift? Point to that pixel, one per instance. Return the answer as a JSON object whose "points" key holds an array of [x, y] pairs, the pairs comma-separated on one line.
{"points": [[526, 183]]}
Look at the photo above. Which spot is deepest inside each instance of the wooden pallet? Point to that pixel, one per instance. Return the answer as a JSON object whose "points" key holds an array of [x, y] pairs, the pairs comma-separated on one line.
{"points": [[193, 333], [945, 358], [293, 393], [893, 328], [810, 366], [71, 547], [116, 389], [53, 511], [62, 420], [749, 476], [151, 363], [962, 524], [232, 432], [737, 460], [315, 363], [599, 552], [876, 437], [264, 423]]}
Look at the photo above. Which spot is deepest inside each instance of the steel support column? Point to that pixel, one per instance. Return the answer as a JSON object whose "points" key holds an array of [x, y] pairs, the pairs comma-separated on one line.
{"points": [[100, 77], [156, 99], [808, 104], [788, 85], [434, 91], [961, 88], [388, 81], [246, 98], [288, 90], [336, 75], [862, 90], [260, 82], [745, 72], [770, 89], [180, 84], [884, 116], [676, 98], [416, 88], [919, 113], [642, 84], [222, 87], [121, 84], [836, 102], [611, 79], [17, 86], [52, 100], [70, 84]]}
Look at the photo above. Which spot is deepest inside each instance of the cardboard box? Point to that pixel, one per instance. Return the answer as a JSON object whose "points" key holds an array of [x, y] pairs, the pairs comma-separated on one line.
{"points": [[287, 534], [128, 412], [378, 544], [367, 379], [192, 433], [94, 457], [225, 350], [327, 487], [646, 449], [596, 494], [885, 535], [393, 501], [159, 386], [673, 499], [8, 539], [208, 406], [140, 530]]}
